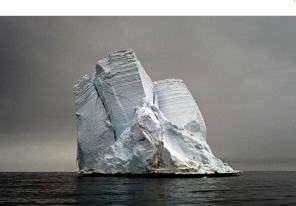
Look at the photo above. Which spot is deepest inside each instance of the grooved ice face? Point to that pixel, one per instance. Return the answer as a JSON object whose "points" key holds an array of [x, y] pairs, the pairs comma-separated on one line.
{"points": [[94, 129], [177, 104], [122, 84]]}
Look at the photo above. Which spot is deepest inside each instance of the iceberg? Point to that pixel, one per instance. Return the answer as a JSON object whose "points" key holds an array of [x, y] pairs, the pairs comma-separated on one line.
{"points": [[129, 125]]}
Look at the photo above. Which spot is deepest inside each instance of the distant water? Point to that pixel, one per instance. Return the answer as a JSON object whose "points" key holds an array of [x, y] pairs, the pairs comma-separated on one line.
{"points": [[250, 188]]}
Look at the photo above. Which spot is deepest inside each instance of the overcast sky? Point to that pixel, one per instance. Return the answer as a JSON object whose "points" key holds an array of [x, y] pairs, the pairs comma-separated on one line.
{"points": [[240, 70]]}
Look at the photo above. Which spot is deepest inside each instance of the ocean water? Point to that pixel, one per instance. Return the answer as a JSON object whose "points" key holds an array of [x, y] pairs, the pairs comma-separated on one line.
{"points": [[250, 188]]}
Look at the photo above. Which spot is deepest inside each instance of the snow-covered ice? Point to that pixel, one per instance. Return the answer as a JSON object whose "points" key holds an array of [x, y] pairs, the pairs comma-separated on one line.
{"points": [[127, 124]]}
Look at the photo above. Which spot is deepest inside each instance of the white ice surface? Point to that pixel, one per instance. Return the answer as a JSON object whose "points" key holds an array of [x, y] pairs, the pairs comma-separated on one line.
{"points": [[122, 84], [94, 130], [155, 145], [177, 104]]}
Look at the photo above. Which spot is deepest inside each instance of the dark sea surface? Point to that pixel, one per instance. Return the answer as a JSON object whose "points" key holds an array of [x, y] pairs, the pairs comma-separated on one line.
{"points": [[250, 188]]}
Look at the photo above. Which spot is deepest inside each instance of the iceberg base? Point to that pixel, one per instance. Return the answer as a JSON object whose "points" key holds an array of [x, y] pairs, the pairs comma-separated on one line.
{"points": [[154, 146], [164, 175]]}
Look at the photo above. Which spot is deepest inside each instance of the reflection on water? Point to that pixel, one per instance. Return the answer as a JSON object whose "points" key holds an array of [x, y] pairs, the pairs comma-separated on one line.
{"points": [[149, 191], [250, 188]]}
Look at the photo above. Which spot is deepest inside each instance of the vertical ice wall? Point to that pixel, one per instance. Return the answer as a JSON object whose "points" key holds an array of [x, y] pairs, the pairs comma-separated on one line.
{"points": [[147, 84], [177, 104], [94, 130], [122, 84]]}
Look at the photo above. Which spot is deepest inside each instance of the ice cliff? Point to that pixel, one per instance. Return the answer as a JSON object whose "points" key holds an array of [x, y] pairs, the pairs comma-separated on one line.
{"points": [[127, 124]]}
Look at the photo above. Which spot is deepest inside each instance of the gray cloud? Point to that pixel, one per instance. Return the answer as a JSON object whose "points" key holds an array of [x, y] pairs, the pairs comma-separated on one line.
{"points": [[240, 70]]}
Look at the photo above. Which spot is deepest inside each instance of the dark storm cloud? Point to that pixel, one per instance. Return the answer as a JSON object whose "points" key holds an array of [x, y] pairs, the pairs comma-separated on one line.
{"points": [[240, 70]]}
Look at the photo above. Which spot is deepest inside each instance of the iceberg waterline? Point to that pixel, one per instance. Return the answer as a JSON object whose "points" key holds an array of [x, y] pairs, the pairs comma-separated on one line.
{"points": [[127, 124]]}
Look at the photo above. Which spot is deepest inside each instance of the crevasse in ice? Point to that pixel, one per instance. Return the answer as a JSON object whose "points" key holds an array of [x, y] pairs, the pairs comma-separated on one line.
{"points": [[127, 124]]}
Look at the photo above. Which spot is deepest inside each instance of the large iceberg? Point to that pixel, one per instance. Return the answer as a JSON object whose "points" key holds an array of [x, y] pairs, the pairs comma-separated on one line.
{"points": [[127, 124]]}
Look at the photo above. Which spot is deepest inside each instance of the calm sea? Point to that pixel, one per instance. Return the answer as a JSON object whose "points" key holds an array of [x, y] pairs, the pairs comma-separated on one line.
{"points": [[250, 188]]}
